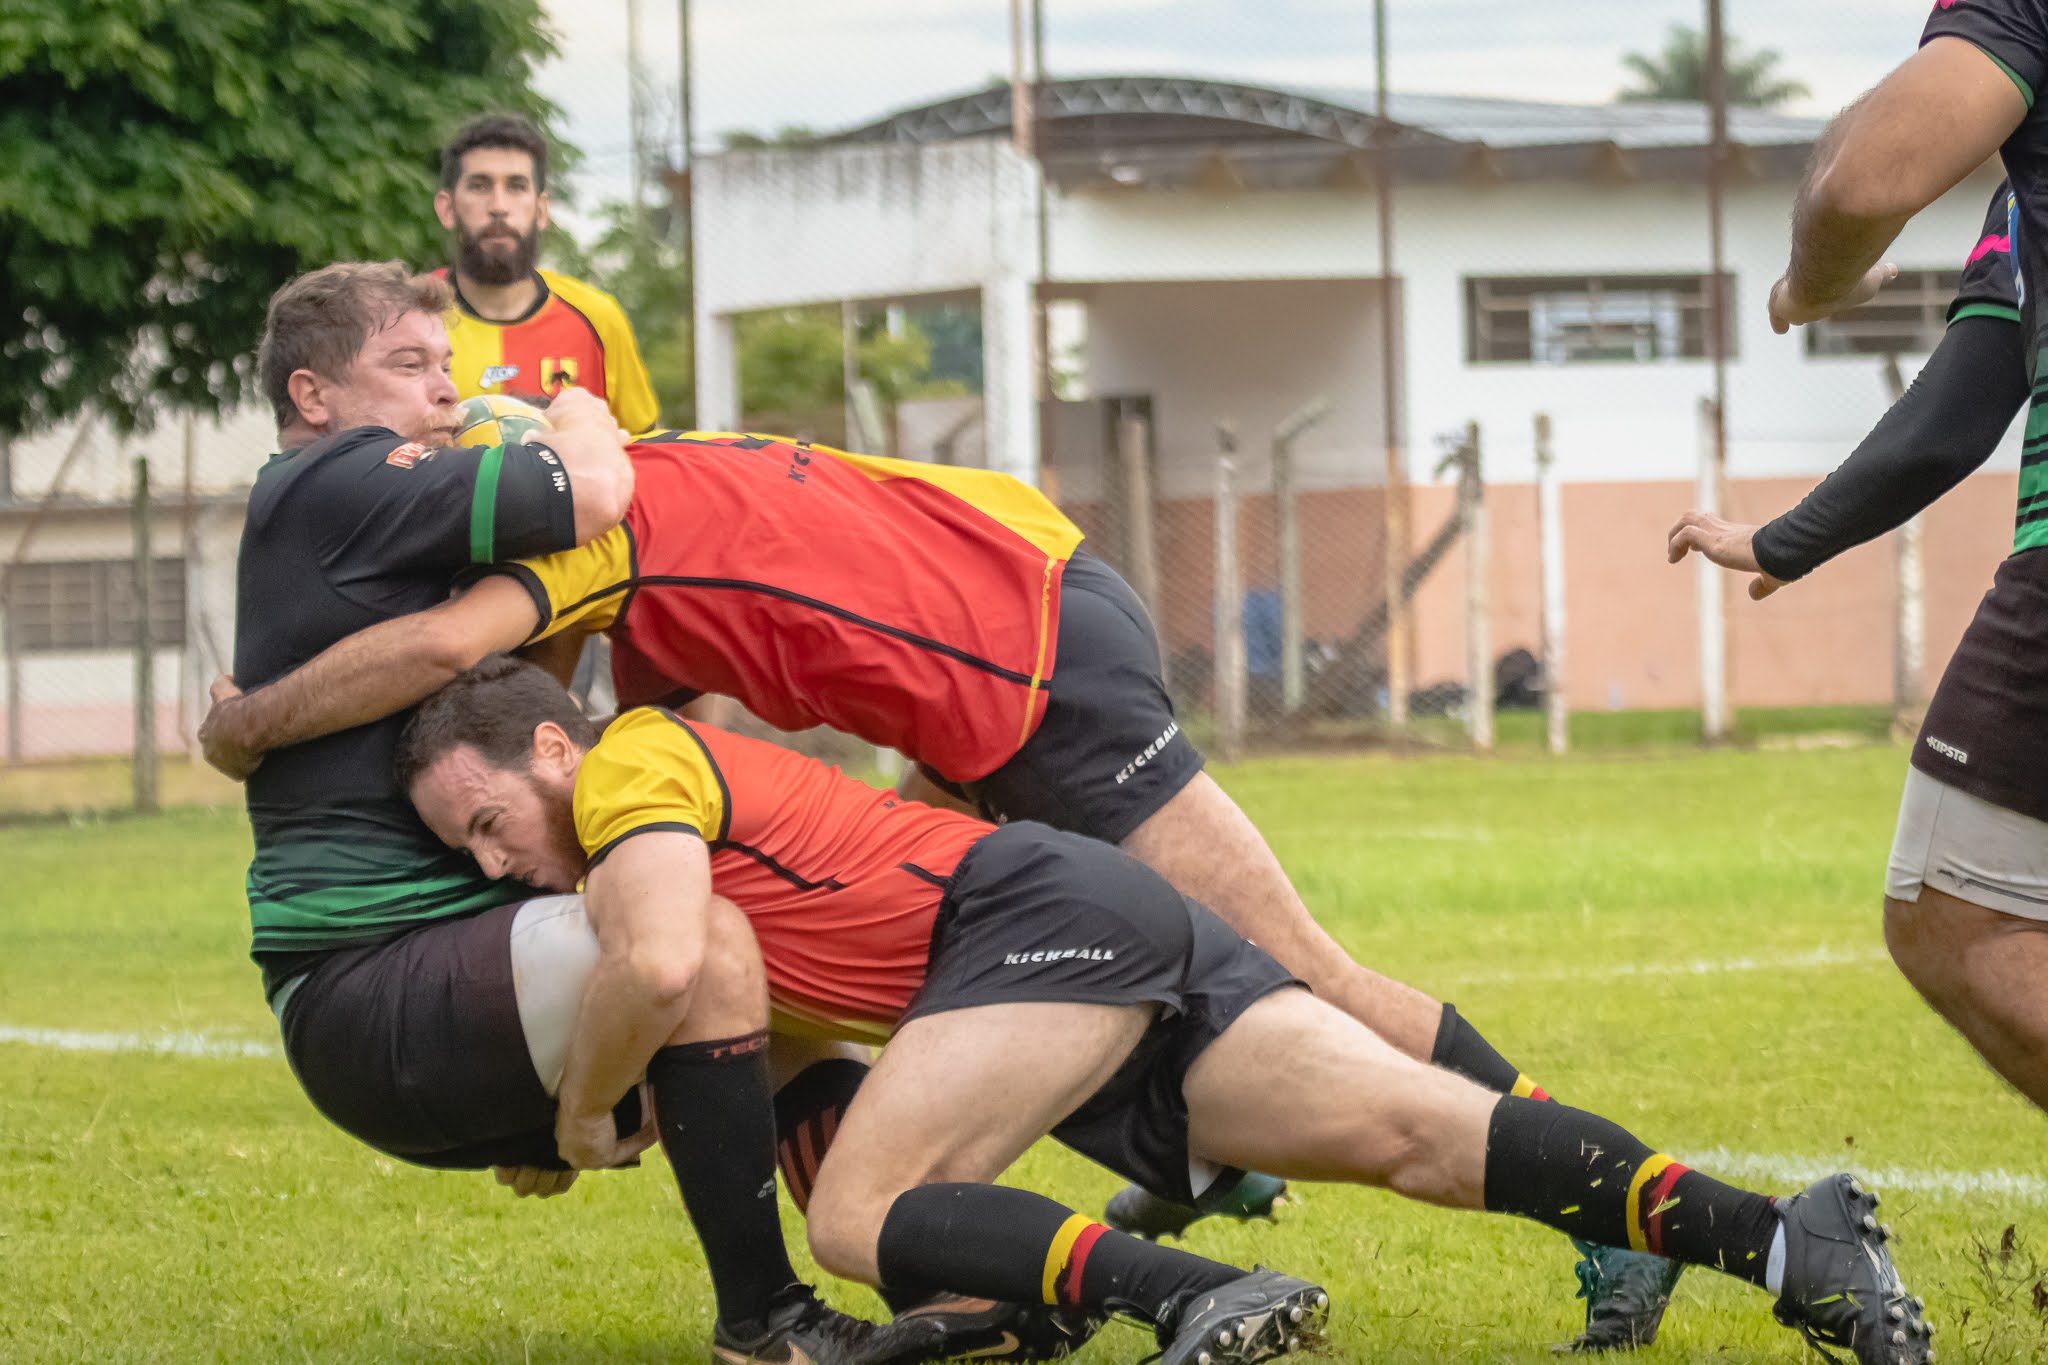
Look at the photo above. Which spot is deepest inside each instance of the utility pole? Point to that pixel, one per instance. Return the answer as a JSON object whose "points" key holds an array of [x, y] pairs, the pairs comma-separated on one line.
{"points": [[634, 131], [686, 164], [1395, 516]]}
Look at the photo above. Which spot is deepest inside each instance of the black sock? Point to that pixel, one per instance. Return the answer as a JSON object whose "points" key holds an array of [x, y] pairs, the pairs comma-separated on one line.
{"points": [[808, 1111], [718, 1130], [991, 1242], [1459, 1048], [1591, 1178]]}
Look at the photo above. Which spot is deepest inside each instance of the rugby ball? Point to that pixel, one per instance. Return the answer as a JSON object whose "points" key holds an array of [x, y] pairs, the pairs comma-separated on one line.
{"points": [[492, 419]]}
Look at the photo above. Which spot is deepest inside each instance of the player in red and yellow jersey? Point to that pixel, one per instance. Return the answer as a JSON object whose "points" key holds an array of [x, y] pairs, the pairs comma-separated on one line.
{"points": [[516, 328], [817, 587], [1034, 982]]}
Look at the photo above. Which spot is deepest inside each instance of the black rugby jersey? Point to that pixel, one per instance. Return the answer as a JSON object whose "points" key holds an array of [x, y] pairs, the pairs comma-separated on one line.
{"points": [[354, 529], [1986, 730]]}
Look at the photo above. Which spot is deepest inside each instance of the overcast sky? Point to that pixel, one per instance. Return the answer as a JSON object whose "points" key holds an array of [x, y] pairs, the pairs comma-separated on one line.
{"points": [[763, 64]]}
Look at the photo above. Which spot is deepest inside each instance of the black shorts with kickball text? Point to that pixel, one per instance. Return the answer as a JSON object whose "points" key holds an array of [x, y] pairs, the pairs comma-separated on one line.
{"points": [[1032, 914], [1108, 752]]}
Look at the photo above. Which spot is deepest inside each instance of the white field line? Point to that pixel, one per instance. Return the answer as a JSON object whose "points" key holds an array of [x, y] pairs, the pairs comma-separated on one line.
{"points": [[1763, 1167], [1724, 966], [1792, 1172], [207, 1045], [161, 1044]]}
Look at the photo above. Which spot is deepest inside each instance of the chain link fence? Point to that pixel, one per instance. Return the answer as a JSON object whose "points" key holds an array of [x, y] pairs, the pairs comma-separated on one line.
{"points": [[1369, 410]]}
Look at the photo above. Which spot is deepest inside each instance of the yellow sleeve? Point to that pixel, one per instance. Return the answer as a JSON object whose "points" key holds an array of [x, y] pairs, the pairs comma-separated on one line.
{"points": [[627, 390], [648, 771], [581, 589], [625, 375]]}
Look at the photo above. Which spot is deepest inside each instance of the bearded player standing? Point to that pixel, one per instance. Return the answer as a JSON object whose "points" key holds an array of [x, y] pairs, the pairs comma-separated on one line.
{"points": [[515, 327]]}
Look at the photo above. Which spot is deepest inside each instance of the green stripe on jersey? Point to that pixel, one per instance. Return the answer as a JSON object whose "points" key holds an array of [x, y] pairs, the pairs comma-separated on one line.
{"points": [[483, 508], [2026, 91], [308, 893], [1986, 310], [2028, 532]]}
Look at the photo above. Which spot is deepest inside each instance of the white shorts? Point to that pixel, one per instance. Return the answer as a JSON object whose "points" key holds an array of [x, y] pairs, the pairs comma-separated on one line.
{"points": [[553, 950], [1966, 846]]}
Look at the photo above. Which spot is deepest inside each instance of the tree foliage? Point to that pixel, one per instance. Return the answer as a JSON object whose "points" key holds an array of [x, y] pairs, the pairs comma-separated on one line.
{"points": [[790, 359], [169, 164], [1679, 72]]}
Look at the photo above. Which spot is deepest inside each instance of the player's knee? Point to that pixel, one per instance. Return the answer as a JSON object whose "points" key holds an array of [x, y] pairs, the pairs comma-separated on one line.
{"points": [[844, 1227], [732, 980], [1903, 933]]}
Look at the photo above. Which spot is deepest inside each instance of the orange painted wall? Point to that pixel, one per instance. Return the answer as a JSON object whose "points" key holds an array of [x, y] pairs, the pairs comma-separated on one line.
{"points": [[1632, 633]]}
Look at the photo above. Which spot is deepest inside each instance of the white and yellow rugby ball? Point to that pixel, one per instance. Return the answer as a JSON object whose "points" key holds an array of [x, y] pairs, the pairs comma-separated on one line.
{"points": [[492, 419]]}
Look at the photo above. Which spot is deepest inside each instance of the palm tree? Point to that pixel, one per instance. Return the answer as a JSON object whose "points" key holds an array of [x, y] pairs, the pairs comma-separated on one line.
{"points": [[1679, 72]]}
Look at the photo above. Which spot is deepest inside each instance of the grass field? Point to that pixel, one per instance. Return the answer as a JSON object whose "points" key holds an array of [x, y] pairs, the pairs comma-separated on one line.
{"points": [[1686, 942]]}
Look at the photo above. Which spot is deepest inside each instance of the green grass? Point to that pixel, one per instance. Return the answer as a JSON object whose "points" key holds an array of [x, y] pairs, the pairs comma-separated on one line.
{"points": [[165, 1208]]}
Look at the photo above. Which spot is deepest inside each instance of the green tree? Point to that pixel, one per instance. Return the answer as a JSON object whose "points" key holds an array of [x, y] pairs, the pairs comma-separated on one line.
{"points": [[1679, 72], [168, 165], [792, 360]]}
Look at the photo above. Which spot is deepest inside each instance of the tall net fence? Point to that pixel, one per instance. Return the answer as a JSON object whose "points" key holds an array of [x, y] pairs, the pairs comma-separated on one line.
{"points": [[116, 611], [1370, 411], [1286, 359]]}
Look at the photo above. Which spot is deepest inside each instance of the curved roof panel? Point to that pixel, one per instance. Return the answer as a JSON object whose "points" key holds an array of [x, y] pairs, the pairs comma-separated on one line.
{"points": [[1340, 115]]}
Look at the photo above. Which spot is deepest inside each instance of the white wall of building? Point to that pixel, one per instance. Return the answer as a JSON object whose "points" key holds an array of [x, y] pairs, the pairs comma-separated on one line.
{"points": [[1789, 414], [227, 451], [786, 227], [1244, 352]]}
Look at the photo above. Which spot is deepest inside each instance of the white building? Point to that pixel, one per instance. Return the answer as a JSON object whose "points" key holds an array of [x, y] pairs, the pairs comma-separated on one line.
{"points": [[1211, 253]]}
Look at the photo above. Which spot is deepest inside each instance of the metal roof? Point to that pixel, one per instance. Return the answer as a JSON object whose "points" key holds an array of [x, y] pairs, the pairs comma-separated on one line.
{"points": [[1177, 131]]}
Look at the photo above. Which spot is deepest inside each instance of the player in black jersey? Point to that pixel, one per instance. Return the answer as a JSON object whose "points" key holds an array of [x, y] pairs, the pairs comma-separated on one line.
{"points": [[387, 958], [1966, 891]]}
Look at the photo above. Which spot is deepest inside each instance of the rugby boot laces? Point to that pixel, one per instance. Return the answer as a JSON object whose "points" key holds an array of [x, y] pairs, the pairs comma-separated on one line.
{"points": [[1253, 1317], [802, 1331], [980, 1329], [1140, 1213], [1841, 1288], [1626, 1293]]}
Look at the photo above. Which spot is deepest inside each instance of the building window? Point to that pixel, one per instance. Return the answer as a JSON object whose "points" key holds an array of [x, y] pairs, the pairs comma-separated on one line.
{"points": [[90, 604], [1590, 319], [1906, 318]]}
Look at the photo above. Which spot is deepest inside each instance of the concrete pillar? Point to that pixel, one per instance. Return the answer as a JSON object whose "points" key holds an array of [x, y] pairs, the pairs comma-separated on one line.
{"points": [[1008, 393], [718, 373]]}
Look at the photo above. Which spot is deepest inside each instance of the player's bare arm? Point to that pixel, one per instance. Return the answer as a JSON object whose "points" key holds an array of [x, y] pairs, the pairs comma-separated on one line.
{"points": [[648, 902], [593, 452], [1938, 117], [374, 673]]}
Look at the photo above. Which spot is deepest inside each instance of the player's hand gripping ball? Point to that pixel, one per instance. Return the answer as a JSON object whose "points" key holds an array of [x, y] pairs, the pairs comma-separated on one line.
{"points": [[492, 419]]}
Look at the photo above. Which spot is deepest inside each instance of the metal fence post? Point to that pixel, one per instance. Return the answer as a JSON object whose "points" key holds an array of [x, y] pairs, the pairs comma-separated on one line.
{"points": [[1287, 519], [1707, 580], [145, 767], [1134, 446], [1550, 539], [1909, 634], [1231, 686], [1478, 597]]}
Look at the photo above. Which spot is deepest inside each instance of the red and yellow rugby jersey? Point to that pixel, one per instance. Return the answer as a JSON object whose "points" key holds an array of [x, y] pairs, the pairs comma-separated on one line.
{"points": [[912, 605], [840, 882], [574, 335]]}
